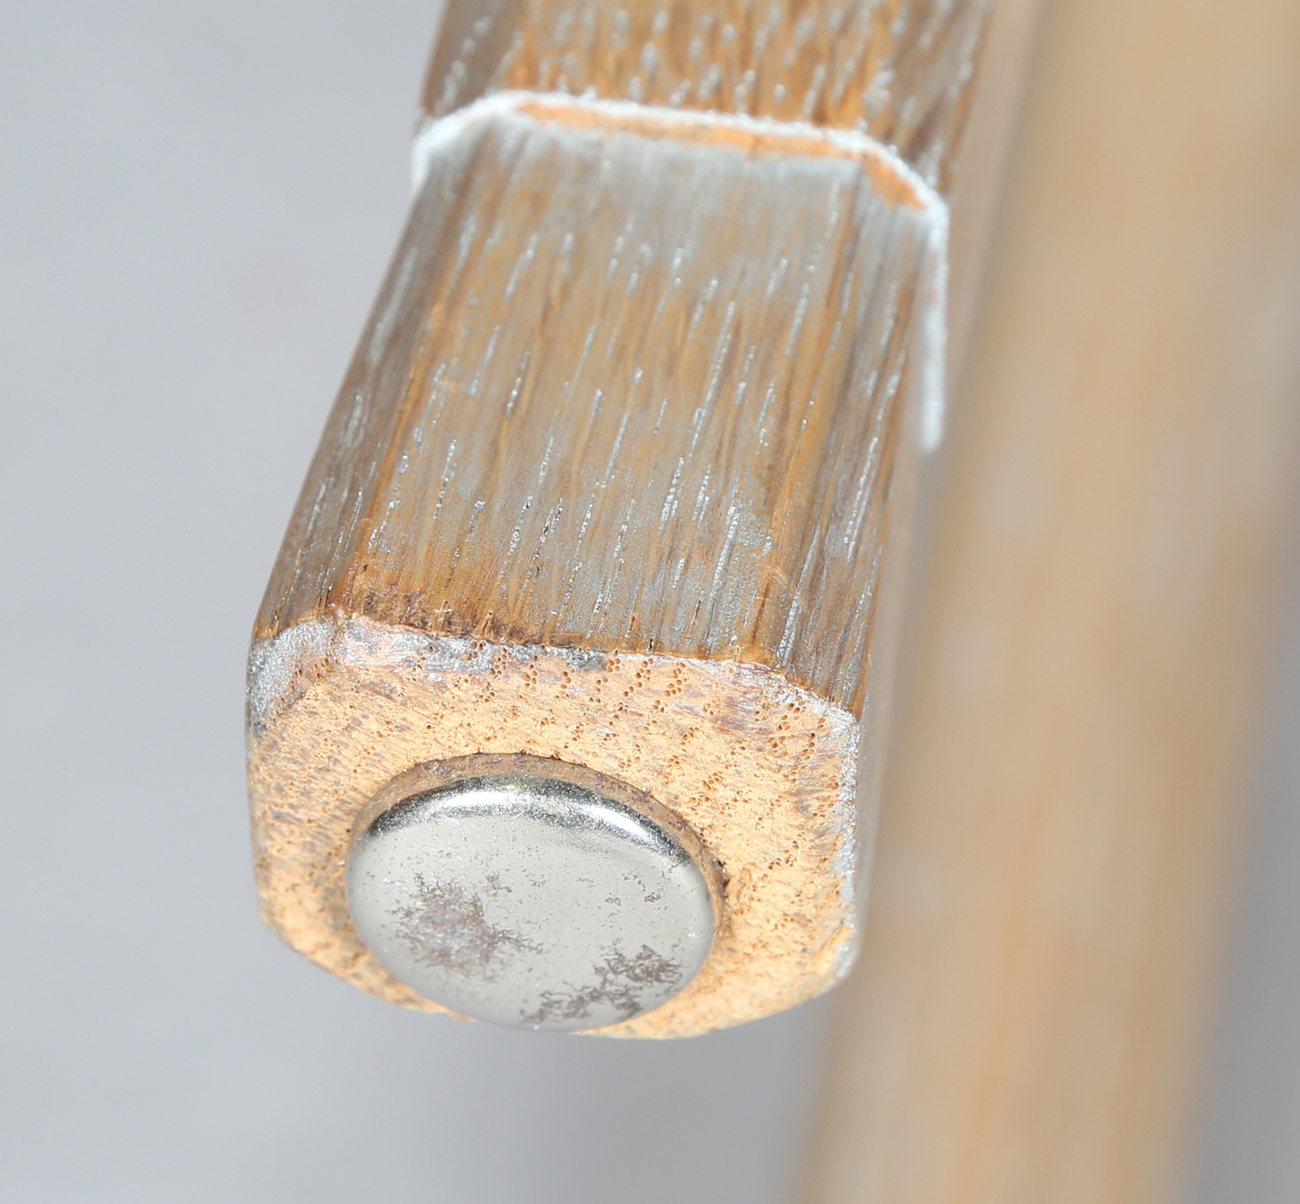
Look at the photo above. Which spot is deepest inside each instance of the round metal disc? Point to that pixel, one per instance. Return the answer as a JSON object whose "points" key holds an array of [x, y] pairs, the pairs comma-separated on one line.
{"points": [[531, 893]]}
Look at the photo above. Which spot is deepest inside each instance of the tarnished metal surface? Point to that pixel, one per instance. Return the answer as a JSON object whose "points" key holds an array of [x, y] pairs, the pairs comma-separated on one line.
{"points": [[526, 892]]}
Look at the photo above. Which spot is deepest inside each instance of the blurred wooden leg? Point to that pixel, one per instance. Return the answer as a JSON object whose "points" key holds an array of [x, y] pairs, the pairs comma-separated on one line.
{"points": [[1059, 827]]}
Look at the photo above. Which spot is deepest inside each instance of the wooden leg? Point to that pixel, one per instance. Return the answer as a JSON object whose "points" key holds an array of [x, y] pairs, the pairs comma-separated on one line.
{"points": [[1060, 818], [618, 484]]}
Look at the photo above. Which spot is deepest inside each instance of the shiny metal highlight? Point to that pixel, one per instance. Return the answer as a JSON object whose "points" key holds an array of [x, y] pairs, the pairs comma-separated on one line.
{"points": [[527, 892]]}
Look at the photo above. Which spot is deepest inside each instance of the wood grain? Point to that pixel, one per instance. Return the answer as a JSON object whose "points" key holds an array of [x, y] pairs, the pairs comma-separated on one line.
{"points": [[900, 71], [672, 431], [1059, 830], [628, 450]]}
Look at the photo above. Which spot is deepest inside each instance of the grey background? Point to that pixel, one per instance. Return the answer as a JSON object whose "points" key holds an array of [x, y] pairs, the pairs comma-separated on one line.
{"points": [[196, 204]]}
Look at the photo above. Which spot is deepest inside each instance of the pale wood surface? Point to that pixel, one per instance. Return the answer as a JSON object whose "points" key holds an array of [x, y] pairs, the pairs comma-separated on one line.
{"points": [[761, 771], [900, 71], [633, 388], [624, 467], [1060, 823]]}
